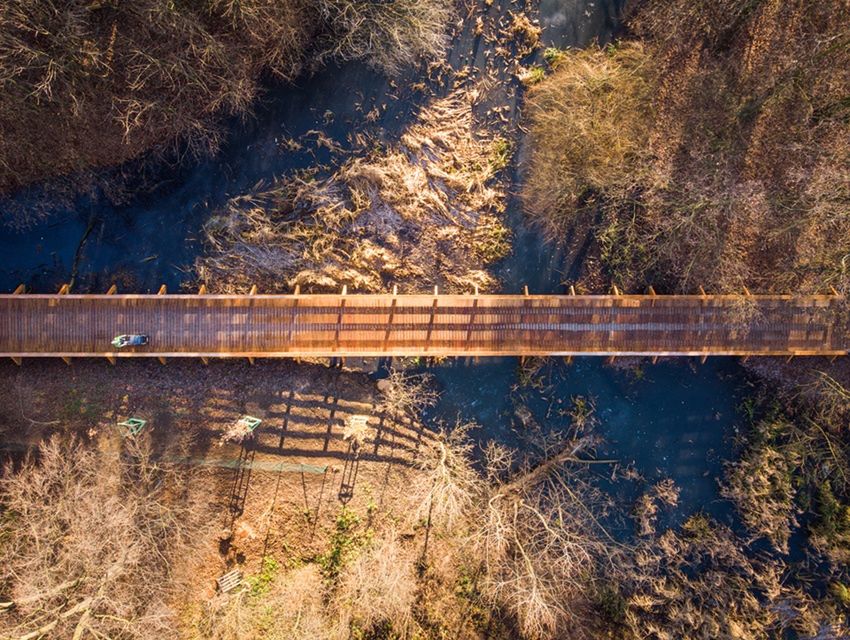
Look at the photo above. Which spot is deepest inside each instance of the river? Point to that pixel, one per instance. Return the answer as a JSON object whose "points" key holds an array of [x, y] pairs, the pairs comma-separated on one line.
{"points": [[673, 419]]}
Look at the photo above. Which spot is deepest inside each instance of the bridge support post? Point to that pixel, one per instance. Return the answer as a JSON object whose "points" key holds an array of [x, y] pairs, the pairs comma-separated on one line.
{"points": [[432, 318], [205, 360], [390, 318], [64, 289], [297, 292], [202, 290], [522, 359], [19, 290], [654, 359], [572, 290], [161, 359], [703, 358], [253, 290], [17, 360], [652, 294], [338, 332], [162, 290], [112, 290], [111, 360], [66, 360]]}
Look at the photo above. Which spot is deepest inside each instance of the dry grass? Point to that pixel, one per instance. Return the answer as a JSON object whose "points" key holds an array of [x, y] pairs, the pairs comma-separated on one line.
{"points": [[388, 35], [699, 583], [795, 460], [703, 582], [761, 485], [290, 605], [716, 150], [424, 212], [87, 84], [589, 131], [377, 591]]}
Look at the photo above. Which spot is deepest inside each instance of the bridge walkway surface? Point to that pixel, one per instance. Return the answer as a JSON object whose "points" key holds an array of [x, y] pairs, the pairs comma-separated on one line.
{"points": [[64, 325]]}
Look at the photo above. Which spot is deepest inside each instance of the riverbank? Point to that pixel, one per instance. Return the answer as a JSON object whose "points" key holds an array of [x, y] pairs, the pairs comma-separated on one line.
{"points": [[103, 83]]}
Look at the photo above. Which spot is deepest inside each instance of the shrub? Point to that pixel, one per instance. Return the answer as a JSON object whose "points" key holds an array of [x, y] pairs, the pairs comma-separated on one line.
{"points": [[590, 125], [86, 84]]}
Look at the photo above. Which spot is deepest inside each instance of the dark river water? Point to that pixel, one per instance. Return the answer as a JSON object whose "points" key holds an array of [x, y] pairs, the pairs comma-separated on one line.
{"points": [[673, 419]]}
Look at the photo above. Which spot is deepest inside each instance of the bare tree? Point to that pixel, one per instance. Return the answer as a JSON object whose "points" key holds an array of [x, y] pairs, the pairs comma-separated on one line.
{"points": [[89, 539], [539, 540], [378, 588], [451, 485], [406, 395]]}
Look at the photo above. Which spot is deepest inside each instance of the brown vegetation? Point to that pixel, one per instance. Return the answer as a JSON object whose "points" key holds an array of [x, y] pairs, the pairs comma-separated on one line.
{"points": [[715, 150], [87, 84], [88, 540], [699, 583], [425, 212], [432, 545], [714, 153], [589, 128], [795, 460]]}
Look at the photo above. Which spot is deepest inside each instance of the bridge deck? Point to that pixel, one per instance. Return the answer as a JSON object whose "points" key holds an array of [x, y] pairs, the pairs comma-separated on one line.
{"points": [[417, 325]]}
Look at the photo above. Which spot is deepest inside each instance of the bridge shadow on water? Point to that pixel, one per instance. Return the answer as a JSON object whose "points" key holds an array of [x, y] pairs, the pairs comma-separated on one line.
{"points": [[676, 419]]}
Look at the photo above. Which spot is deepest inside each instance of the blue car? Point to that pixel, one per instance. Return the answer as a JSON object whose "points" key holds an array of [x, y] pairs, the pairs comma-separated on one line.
{"points": [[131, 340]]}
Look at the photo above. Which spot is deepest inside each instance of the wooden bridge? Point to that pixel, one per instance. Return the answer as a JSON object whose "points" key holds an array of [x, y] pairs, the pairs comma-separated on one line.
{"points": [[255, 326]]}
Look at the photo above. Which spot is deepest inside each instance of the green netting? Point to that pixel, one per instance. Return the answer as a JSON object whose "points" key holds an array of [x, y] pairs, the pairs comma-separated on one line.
{"points": [[261, 465], [250, 422], [133, 425]]}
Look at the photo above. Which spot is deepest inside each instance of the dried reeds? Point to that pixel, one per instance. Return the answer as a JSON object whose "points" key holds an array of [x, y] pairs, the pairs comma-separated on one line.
{"points": [[424, 212], [715, 150]]}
